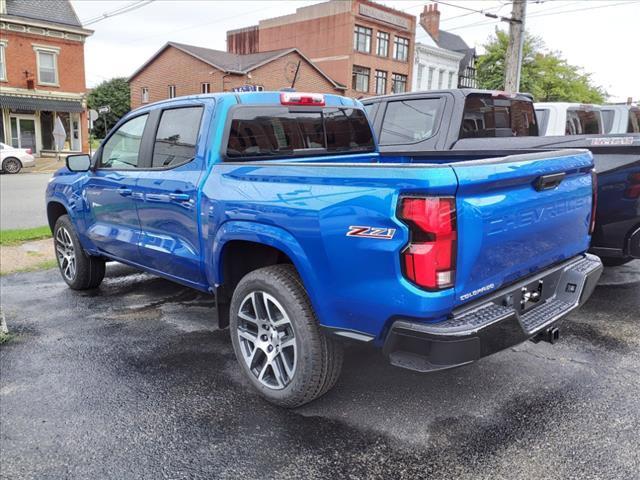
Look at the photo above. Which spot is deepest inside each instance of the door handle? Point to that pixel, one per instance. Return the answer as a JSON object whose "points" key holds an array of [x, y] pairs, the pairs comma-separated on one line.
{"points": [[547, 182], [179, 197], [125, 192]]}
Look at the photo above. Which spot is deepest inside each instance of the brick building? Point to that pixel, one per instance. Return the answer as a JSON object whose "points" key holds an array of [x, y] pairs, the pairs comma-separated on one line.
{"points": [[367, 46], [178, 69], [42, 75]]}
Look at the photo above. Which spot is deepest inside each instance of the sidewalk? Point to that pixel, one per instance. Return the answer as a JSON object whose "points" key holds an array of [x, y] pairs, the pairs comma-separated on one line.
{"points": [[46, 165]]}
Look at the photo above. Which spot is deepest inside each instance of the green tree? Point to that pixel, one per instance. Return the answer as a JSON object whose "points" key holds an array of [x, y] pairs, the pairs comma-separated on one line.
{"points": [[115, 93], [545, 74]]}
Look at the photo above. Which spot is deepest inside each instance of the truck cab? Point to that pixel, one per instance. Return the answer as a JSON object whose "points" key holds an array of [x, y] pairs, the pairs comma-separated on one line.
{"points": [[561, 118]]}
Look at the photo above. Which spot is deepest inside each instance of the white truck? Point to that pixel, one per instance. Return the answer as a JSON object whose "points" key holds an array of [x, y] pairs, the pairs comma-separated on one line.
{"points": [[621, 118], [562, 118]]}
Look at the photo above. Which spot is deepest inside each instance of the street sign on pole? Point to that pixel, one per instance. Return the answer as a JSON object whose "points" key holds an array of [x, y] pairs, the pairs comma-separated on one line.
{"points": [[104, 109]]}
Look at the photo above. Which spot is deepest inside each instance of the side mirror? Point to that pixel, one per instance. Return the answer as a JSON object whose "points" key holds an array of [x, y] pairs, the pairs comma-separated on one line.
{"points": [[79, 163]]}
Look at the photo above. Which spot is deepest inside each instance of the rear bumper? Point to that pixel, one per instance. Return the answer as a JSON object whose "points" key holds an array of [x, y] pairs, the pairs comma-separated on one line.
{"points": [[495, 322]]}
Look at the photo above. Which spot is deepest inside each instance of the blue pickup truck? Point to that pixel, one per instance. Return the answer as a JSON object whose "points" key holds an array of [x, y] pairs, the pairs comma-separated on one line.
{"points": [[281, 206]]}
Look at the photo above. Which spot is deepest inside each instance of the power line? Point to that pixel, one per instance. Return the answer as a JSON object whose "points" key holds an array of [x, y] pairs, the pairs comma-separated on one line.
{"points": [[544, 13], [473, 10], [118, 11]]}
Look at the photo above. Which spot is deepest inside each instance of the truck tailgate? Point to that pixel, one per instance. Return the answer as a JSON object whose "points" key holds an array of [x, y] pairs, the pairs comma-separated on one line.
{"points": [[519, 214]]}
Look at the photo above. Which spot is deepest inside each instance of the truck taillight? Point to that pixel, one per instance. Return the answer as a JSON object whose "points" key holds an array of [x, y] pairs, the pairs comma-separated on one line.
{"points": [[306, 99], [633, 190], [429, 260], [594, 201]]}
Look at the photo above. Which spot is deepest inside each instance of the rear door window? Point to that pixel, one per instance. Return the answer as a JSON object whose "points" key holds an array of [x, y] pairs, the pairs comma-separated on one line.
{"points": [[634, 121], [176, 137], [269, 132], [583, 122], [489, 116], [410, 121], [607, 120], [542, 116]]}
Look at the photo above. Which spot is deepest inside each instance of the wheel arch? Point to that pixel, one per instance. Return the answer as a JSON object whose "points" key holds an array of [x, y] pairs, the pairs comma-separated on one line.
{"points": [[238, 251], [12, 158], [55, 210]]}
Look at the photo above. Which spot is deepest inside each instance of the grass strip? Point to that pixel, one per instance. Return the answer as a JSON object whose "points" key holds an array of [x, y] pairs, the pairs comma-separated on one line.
{"points": [[17, 236]]}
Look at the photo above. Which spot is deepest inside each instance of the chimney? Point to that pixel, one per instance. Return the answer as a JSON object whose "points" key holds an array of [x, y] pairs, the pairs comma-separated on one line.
{"points": [[430, 20]]}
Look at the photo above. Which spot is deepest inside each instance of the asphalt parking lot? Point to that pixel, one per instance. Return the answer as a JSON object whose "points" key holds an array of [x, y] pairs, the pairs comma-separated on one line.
{"points": [[132, 381]]}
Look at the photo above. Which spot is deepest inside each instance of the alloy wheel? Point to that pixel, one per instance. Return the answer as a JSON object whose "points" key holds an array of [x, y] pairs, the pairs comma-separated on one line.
{"points": [[267, 340], [11, 166], [66, 254]]}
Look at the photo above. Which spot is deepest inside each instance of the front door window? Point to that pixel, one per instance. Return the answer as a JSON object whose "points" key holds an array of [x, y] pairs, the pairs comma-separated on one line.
{"points": [[23, 133]]}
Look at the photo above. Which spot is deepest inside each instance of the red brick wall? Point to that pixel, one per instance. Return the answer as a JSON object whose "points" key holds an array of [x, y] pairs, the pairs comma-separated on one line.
{"points": [[175, 67], [20, 56], [322, 39]]}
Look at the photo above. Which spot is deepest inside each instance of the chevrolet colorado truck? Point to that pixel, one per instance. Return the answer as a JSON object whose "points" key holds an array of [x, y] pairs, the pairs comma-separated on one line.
{"points": [[470, 123], [281, 206]]}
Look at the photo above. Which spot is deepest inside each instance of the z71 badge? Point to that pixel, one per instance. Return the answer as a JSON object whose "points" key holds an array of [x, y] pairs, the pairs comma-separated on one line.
{"points": [[372, 232]]}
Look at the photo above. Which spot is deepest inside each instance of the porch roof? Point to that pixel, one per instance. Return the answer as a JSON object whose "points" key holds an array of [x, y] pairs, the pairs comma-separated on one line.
{"points": [[35, 103]]}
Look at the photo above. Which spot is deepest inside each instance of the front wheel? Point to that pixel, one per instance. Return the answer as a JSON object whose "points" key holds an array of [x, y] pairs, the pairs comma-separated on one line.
{"points": [[277, 339], [79, 270], [11, 165]]}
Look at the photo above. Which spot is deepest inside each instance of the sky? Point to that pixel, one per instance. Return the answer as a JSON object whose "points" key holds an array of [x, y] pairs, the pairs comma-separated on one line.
{"points": [[598, 35]]}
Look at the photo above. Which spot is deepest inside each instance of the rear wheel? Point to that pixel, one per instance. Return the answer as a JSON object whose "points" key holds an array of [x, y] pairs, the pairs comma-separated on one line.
{"points": [[277, 339], [11, 165], [79, 270]]}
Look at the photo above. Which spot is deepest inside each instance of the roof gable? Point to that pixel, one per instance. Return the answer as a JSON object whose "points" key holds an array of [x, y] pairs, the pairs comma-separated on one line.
{"points": [[232, 62]]}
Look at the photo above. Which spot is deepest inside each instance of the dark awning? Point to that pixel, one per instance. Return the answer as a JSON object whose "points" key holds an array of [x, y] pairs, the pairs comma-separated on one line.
{"points": [[48, 104]]}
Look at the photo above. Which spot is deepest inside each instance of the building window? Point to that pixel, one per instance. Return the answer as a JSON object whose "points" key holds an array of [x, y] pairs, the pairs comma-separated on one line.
{"points": [[440, 79], [172, 91], [451, 80], [399, 83], [362, 39], [381, 82], [145, 95], [430, 78], [205, 88], [360, 81], [47, 64], [420, 76], [383, 44], [401, 49], [3, 65]]}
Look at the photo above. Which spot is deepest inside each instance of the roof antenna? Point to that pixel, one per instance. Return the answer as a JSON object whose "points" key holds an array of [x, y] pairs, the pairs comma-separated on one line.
{"points": [[295, 76]]}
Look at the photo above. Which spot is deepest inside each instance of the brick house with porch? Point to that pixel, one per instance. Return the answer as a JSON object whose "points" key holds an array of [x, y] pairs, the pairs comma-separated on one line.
{"points": [[42, 75]]}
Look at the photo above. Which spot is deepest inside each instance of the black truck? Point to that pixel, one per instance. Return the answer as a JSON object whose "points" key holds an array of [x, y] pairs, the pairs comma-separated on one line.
{"points": [[472, 122]]}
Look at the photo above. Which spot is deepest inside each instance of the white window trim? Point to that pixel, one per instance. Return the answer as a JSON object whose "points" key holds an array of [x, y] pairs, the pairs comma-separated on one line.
{"points": [[202, 87], [169, 91], [144, 90], [47, 49], [3, 55]]}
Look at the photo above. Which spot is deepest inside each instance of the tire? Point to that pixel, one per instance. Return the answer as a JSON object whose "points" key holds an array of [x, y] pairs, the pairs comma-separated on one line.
{"points": [[79, 270], [303, 364], [11, 165], [615, 261]]}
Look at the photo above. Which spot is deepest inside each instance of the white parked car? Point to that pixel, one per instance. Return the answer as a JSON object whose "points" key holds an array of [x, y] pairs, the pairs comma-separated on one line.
{"points": [[13, 159], [563, 118]]}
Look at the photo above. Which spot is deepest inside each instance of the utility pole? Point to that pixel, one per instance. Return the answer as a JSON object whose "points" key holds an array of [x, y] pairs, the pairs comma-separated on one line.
{"points": [[513, 62]]}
